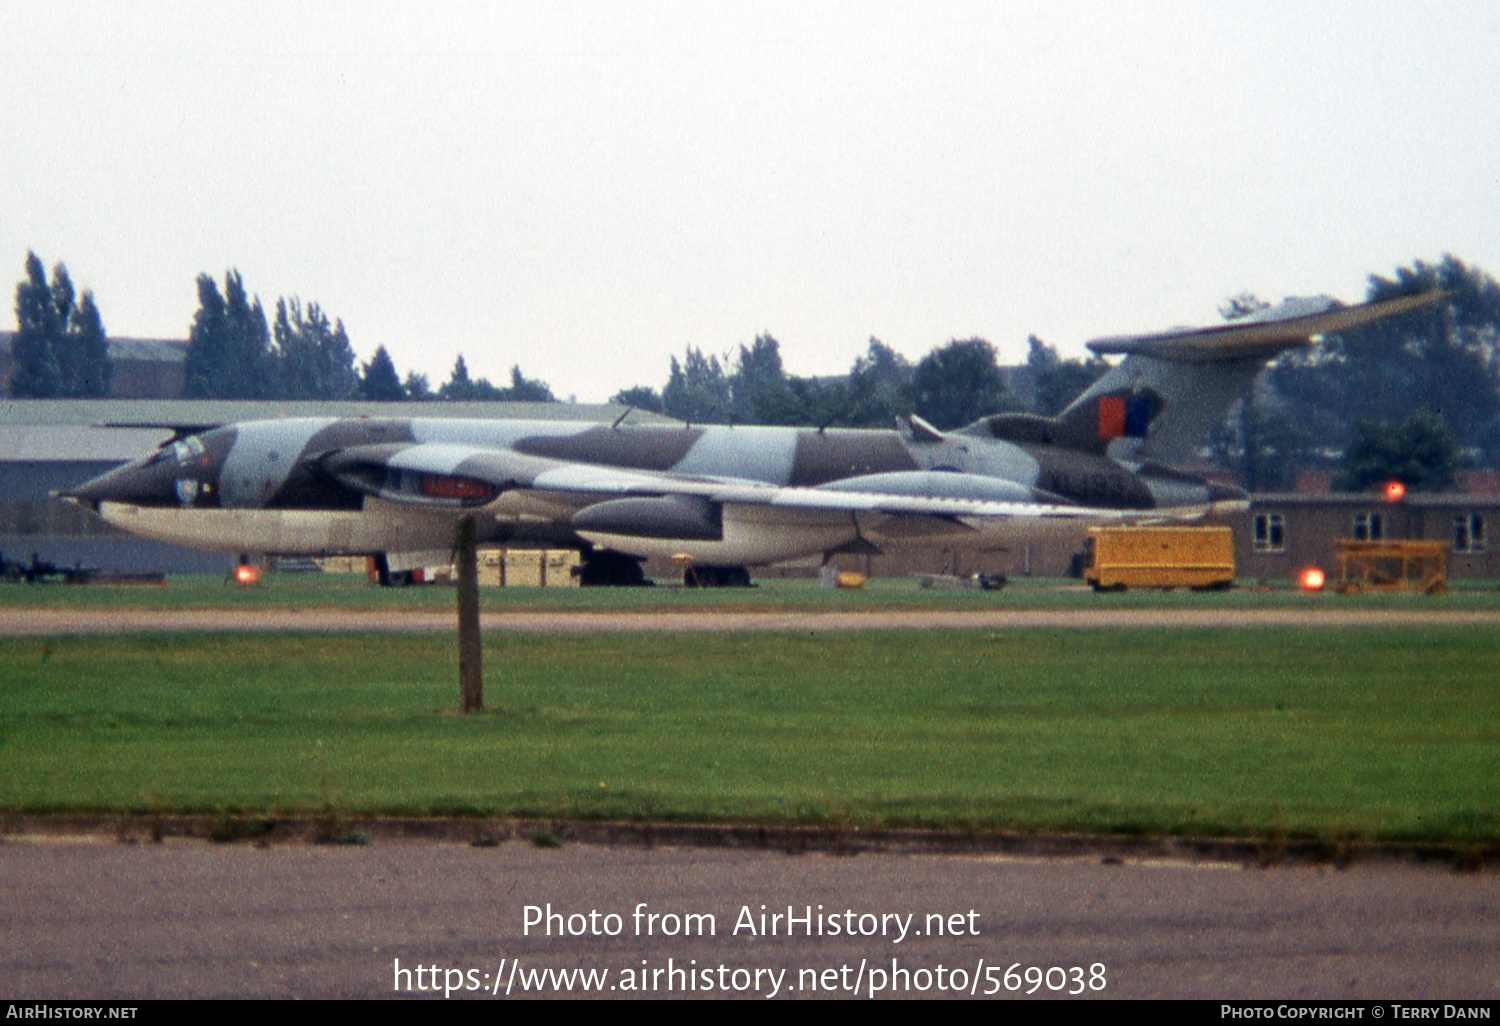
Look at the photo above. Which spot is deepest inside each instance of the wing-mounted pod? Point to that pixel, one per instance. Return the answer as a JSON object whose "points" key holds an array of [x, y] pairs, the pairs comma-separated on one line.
{"points": [[687, 517]]}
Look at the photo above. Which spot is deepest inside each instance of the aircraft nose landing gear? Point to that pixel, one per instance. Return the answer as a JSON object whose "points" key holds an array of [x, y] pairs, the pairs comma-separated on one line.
{"points": [[389, 578]]}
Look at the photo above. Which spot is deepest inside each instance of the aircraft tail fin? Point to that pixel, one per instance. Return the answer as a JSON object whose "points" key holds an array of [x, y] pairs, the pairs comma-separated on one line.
{"points": [[1173, 389]]}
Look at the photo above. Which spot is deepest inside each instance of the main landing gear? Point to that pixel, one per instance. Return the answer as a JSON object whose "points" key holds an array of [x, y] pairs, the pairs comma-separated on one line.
{"points": [[389, 578], [603, 568], [716, 577]]}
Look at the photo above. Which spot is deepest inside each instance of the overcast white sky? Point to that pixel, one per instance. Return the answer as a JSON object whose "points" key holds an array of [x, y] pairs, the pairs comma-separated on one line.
{"points": [[586, 189]]}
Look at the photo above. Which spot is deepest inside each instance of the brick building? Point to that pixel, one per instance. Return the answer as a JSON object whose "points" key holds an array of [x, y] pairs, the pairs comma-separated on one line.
{"points": [[1287, 531]]}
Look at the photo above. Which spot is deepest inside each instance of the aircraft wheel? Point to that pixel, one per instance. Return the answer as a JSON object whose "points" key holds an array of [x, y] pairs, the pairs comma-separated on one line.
{"points": [[1214, 586]]}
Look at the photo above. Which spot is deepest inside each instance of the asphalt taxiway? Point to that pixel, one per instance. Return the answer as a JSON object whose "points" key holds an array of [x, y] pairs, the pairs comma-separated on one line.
{"points": [[90, 917]]}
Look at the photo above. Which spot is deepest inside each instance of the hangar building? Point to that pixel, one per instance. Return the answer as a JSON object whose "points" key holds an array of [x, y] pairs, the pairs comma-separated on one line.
{"points": [[144, 368]]}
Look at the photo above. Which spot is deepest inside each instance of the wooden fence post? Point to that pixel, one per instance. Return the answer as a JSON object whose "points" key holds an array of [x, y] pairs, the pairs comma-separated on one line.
{"points": [[470, 667]]}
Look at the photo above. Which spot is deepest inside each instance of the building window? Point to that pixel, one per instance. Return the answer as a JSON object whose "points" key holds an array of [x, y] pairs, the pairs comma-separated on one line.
{"points": [[1468, 532], [1270, 532], [1369, 527]]}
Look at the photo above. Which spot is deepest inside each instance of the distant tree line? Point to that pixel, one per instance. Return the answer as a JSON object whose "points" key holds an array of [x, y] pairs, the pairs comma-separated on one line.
{"points": [[953, 385], [462, 388], [59, 349], [233, 354]]}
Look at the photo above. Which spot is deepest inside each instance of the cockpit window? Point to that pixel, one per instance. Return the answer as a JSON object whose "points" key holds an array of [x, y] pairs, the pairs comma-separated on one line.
{"points": [[180, 451]]}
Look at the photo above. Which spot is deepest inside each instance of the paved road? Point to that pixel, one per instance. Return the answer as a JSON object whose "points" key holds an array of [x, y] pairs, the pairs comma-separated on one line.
{"points": [[96, 918], [47, 622]]}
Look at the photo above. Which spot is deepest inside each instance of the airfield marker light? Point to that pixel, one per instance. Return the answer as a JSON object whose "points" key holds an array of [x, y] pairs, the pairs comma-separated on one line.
{"points": [[1394, 490], [246, 574], [1312, 579]]}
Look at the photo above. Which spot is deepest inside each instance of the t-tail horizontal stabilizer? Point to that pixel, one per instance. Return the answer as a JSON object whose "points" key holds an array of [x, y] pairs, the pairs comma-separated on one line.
{"points": [[1173, 389]]}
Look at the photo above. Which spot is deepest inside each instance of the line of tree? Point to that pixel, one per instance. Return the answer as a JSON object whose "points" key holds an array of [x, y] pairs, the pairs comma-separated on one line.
{"points": [[953, 385], [462, 388], [59, 349], [1420, 452], [233, 354]]}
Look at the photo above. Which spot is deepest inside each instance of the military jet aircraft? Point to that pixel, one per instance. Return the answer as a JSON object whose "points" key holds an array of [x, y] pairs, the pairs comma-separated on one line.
{"points": [[722, 498]]}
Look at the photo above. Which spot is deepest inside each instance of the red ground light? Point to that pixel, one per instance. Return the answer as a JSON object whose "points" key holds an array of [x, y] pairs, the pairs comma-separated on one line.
{"points": [[246, 574], [1394, 490], [1311, 579]]}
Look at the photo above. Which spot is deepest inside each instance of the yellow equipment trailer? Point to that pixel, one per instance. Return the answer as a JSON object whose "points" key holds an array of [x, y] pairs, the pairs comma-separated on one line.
{"points": [[1160, 557], [1392, 565]]}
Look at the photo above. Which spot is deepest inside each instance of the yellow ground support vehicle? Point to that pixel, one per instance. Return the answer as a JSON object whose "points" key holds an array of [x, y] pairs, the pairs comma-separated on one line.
{"points": [[1159, 557]]}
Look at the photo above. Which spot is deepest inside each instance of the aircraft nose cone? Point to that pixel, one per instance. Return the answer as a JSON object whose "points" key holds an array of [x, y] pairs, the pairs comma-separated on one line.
{"points": [[183, 472], [78, 497], [140, 484], [90, 493]]}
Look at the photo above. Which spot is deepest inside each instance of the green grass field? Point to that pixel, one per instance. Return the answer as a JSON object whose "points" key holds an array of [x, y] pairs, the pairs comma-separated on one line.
{"points": [[350, 591], [1338, 734]]}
